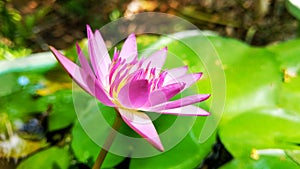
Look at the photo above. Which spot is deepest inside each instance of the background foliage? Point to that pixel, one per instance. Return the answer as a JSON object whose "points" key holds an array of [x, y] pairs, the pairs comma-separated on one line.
{"points": [[260, 55]]}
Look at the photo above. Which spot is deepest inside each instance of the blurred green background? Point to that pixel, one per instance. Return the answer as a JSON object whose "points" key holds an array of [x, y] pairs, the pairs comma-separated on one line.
{"points": [[258, 44]]}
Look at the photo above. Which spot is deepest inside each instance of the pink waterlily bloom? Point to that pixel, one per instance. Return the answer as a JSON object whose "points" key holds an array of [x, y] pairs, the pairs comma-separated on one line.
{"points": [[133, 86]]}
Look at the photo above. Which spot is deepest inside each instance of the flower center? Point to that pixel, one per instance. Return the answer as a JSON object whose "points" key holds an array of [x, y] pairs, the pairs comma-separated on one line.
{"points": [[122, 72]]}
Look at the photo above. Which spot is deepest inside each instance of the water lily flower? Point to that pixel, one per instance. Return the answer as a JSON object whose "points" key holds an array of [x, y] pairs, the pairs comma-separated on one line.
{"points": [[133, 86]]}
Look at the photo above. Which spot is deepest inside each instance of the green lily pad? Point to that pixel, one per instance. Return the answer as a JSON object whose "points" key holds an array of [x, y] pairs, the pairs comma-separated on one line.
{"points": [[266, 161], [86, 150], [14, 82], [20, 99], [9, 84], [288, 55], [53, 157], [193, 48], [63, 112], [90, 130], [287, 52], [187, 154], [267, 128], [20, 104], [252, 76], [290, 95]]}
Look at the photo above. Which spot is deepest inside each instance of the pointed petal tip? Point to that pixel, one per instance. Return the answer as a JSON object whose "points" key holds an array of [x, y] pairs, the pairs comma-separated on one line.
{"points": [[182, 85], [156, 143], [205, 114], [161, 148], [206, 96], [56, 53], [185, 68], [202, 112], [183, 103], [132, 35], [89, 31], [51, 48], [196, 77], [190, 110], [88, 27], [143, 125], [199, 75], [77, 47], [129, 49], [98, 35]]}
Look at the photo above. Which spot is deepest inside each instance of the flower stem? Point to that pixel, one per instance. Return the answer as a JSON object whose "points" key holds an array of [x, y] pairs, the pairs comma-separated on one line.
{"points": [[108, 142]]}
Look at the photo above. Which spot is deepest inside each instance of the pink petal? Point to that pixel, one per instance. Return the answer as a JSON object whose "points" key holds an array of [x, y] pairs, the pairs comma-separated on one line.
{"points": [[188, 79], [99, 55], [165, 93], [102, 95], [175, 73], [134, 94], [129, 49], [143, 125], [74, 70], [106, 61], [83, 61], [83, 79], [189, 110], [156, 60], [181, 102]]}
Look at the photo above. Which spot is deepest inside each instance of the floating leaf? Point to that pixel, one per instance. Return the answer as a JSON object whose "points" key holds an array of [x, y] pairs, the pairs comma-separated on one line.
{"points": [[267, 128], [252, 76], [50, 158], [267, 159], [87, 151], [187, 154], [63, 112], [288, 55], [9, 84]]}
